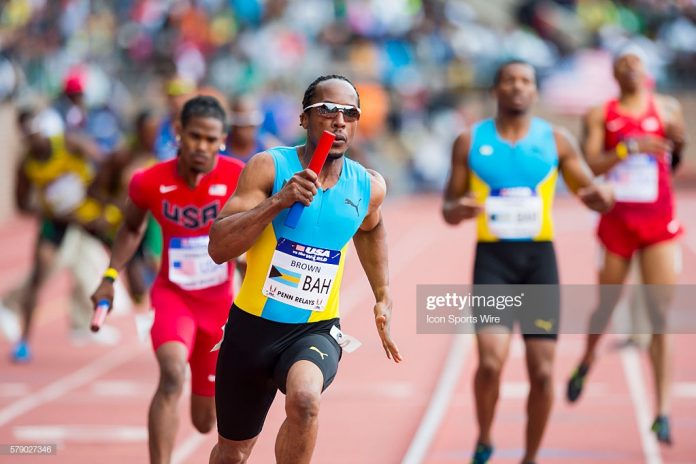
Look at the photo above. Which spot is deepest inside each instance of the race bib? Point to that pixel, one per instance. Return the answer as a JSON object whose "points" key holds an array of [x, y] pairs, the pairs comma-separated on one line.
{"points": [[635, 179], [190, 266], [301, 276], [514, 213], [65, 194]]}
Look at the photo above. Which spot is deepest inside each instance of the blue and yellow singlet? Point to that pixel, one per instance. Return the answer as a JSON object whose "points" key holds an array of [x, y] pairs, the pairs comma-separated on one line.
{"points": [[515, 182], [294, 275]]}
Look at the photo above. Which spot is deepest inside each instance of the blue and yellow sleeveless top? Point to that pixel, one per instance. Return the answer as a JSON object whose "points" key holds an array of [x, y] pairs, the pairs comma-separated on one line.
{"points": [[515, 182], [294, 275]]}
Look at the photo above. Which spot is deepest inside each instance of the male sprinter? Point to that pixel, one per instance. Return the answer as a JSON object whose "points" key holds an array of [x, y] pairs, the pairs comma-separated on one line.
{"points": [[283, 330], [635, 140], [504, 173], [191, 294]]}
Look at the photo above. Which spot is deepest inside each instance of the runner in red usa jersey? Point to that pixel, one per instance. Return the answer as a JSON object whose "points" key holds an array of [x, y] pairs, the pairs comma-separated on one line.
{"points": [[186, 215], [634, 141], [644, 210], [191, 291], [191, 295]]}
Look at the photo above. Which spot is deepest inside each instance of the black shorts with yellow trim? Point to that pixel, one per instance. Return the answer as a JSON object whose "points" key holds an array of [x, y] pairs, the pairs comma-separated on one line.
{"points": [[511, 263], [253, 364]]}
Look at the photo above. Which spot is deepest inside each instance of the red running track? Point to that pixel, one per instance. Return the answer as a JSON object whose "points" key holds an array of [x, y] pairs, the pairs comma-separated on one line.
{"points": [[92, 400]]}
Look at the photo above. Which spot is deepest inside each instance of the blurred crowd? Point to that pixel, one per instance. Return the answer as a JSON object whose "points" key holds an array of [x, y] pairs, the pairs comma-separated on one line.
{"points": [[423, 67]]}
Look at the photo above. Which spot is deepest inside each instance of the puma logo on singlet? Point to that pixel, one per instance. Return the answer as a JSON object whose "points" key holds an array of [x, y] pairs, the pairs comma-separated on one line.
{"points": [[317, 350], [350, 202], [545, 325]]}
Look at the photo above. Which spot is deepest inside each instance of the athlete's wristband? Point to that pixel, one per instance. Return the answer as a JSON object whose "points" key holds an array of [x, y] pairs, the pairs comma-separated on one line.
{"points": [[621, 150], [110, 274]]}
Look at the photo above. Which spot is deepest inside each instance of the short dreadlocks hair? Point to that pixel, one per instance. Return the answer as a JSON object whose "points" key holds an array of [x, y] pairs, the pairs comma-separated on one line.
{"points": [[309, 93]]}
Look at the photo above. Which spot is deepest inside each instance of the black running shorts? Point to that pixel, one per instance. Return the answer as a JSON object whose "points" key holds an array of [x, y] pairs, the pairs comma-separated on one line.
{"points": [[521, 263], [254, 360]]}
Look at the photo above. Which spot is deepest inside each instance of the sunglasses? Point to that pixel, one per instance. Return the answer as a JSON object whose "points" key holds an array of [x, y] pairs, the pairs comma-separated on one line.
{"points": [[331, 110]]}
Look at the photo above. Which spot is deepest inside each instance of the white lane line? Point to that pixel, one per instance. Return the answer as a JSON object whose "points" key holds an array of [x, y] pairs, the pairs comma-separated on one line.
{"points": [[639, 396], [519, 390], [88, 433], [125, 388], [440, 400], [690, 242], [187, 447], [83, 376], [684, 389], [393, 389]]}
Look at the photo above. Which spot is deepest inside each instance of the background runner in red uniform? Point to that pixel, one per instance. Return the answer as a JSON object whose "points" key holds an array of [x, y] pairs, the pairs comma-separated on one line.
{"points": [[191, 295], [635, 140]]}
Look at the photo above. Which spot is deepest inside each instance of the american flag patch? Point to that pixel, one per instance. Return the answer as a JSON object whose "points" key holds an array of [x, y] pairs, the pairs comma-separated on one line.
{"points": [[186, 267]]}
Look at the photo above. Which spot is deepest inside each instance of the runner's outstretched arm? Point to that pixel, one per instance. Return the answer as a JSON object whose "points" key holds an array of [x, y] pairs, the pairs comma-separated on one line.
{"points": [[577, 176], [459, 204], [128, 237], [252, 208], [371, 244]]}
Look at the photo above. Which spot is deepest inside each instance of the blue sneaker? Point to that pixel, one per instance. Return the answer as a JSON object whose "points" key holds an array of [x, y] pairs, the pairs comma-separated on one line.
{"points": [[662, 430], [482, 454], [21, 353]]}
